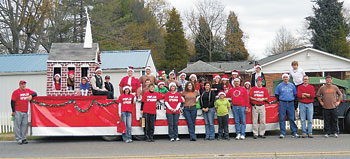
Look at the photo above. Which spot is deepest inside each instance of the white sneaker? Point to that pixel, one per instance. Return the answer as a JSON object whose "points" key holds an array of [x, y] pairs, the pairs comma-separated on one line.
{"points": [[238, 136], [242, 137], [326, 136], [172, 139], [336, 135], [177, 139]]}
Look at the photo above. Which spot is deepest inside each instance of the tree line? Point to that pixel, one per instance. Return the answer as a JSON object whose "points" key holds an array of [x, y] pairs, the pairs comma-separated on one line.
{"points": [[31, 26]]}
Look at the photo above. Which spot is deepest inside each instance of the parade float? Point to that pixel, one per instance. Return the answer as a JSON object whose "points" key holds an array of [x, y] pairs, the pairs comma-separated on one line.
{"points": [[63, 112]]}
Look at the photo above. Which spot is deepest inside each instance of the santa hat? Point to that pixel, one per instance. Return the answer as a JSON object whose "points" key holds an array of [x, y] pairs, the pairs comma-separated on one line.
{"points": [[237, 79], [172, 84], [193, 75], [257, 66], [58, 75], [161, 72], [85, 78], [126, 87], [183, 74], [222, 93], [160, 82], [285, 75], [148, 68], [130, 68], [247, 82], [260, 79], [224, 77], [70, 72], [235, 72], [172, 72], [98, 69], [216, 76]]}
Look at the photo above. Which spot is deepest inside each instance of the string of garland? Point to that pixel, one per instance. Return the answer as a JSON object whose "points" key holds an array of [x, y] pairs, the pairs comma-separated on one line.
{"points": [[75, 105]]}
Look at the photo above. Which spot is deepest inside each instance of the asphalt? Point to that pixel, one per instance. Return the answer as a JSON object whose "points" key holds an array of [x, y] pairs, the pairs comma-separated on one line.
{"points": [[95, 147]]}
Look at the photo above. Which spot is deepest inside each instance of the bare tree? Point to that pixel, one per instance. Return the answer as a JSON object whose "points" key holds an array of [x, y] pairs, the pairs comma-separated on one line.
{"points": [[213, 12], [20, 22], [159, 9], [283, 41]]}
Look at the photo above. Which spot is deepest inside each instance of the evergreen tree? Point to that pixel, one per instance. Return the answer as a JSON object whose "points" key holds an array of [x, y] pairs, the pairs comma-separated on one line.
{"points": [[329, 28], [176, 53], [204, 42], [234, 45]]}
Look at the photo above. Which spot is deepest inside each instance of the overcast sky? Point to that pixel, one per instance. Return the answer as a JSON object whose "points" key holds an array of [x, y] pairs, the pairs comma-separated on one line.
{"points": [[260, 19]]}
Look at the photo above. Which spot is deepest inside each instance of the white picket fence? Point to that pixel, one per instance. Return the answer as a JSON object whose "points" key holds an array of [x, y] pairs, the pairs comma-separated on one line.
{"points": [[6, 124]]}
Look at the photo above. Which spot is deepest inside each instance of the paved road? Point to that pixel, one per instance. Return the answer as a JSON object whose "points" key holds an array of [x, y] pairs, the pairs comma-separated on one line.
{"points": [[271, 147]]}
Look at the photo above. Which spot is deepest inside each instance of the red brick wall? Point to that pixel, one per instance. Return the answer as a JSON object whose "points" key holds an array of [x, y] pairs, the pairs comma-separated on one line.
{"points": [[64, 75]]}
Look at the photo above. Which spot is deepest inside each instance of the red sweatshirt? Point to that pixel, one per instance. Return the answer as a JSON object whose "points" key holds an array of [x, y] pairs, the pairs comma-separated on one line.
{"points": [[239, 96], [150, 102], [256, 92], [126, 102], [308, 89], [173, 100]]}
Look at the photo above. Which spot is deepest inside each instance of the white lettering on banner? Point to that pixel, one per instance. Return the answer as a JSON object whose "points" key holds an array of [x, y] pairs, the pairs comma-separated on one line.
{"points": [[258, 93]]}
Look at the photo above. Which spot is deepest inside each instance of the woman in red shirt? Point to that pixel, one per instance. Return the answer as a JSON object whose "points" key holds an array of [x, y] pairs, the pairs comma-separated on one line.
{"points": [[126, 102], [173, 102]]}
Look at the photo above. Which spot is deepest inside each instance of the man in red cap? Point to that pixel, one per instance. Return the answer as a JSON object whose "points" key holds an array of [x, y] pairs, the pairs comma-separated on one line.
{"points": [[162, 76], [130, 80], [259, 96], [19, 105]]}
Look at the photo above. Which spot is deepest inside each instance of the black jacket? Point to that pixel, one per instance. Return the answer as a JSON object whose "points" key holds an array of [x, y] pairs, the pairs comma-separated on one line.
{"points": [[207, 99], [252, 81], [109, 87]]}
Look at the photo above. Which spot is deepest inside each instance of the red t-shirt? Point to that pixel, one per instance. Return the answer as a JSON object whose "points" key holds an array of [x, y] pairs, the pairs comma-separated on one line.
{"points": [[173, 100], [256, 92], [57, 86], [239, 96], [150, 102], [135, 83], [310, 89], [126, 102], [20, 98]]}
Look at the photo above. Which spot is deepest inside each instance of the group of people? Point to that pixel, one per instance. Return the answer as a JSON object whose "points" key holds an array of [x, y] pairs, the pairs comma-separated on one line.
{"points": [[212, 97]]}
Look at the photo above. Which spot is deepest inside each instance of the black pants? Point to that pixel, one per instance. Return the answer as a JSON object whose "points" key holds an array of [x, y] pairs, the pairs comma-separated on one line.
{"points": [[223, 126], [330, 117], [149, 125], [108, 94]]}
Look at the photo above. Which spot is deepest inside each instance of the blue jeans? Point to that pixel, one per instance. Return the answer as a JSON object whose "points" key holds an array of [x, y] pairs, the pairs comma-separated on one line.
{"points": [[283, 108], [209, 123], [239, 115], [191, 115], [306, 112], [173, 120], [126, 117]]}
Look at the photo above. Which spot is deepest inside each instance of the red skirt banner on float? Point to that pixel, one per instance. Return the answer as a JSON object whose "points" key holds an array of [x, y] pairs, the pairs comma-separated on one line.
{"points": [[75, 116]]}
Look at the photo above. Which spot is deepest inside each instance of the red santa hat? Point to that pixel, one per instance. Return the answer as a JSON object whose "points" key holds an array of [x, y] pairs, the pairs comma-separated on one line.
{"points": [[247, 82], [172, 72], [148, 68], [193, 75], [257, 66], [183, 74], [161, 72], [70, 72], [126, 87], [130, 68], [216, 76], [224, 77], [98, 69], [160, 82], [235, 72], [222, 93], [58, 75], [172, 84]]}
